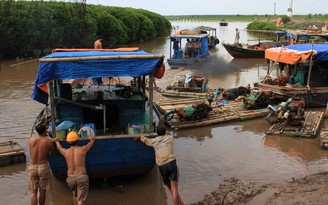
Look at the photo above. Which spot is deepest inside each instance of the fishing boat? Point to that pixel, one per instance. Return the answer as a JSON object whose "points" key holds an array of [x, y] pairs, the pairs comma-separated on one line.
{"points": [[223, 22], [188, 48], [238, 50], [301, 37], [115, 112], [11, 153], [303, 73], [247, 51], [213, 39]]}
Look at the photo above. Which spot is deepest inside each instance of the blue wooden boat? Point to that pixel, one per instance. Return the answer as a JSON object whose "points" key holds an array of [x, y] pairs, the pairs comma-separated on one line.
{"points": [[116, 112], [181, 55]]}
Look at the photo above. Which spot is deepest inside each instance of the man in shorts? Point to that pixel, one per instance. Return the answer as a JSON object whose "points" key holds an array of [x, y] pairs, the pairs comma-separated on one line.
{"points": [[166, 161], [77, 178], [39, 173]]}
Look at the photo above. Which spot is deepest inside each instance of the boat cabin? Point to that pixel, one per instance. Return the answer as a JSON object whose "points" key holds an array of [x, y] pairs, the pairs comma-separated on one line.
{"points": [[187, 48]]}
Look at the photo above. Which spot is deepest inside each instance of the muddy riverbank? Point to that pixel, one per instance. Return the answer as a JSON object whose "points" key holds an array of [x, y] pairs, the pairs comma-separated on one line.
{"points": [[311, 189]]}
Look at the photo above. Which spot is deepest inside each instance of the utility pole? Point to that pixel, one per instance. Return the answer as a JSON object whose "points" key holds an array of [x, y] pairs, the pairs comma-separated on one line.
{"points": [[274, 9]]}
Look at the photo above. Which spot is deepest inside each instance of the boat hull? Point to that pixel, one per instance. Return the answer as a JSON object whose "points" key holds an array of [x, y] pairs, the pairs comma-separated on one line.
{"points": [[176, 63], [109, 157], [240, 52]]}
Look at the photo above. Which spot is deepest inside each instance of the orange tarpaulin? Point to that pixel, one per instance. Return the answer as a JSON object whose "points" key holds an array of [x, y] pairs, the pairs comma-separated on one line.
{"points": [[288, 56]]}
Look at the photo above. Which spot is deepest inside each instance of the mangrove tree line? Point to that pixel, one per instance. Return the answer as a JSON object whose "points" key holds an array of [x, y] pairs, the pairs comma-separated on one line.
{"points": [[34, 28]]}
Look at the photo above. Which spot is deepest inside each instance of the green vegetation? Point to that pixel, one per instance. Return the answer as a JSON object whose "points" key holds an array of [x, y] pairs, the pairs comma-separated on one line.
{"points": [[285, 19], [34, 28], [260, 25]]}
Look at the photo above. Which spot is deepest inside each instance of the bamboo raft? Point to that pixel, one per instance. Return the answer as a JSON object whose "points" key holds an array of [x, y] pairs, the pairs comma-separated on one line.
{"points": [[324, 138], [11, 153], [307, 129], [232, 111], [182, 94]]}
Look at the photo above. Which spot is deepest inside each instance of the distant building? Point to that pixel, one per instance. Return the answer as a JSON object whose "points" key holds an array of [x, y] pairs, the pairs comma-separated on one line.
{"points": [[290, 9], [290, 12]]}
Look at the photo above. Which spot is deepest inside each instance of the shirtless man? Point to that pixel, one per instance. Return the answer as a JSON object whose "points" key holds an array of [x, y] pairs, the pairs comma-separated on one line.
{"points": [[39, 173], [98, 43], [77, 178]]}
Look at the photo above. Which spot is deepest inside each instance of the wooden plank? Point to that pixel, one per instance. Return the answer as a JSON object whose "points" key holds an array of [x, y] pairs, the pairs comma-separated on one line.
{"points": [[11, 150]]}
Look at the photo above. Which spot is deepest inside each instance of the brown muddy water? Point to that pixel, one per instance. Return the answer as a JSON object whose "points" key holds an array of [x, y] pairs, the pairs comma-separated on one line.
{"points": [[206, 156]]}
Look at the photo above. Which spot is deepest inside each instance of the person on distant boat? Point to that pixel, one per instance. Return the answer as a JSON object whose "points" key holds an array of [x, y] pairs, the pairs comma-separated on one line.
{"points": [[77, 178], [188, 49], [98, 43], [237, 36], [39, 173], [166, 161]]}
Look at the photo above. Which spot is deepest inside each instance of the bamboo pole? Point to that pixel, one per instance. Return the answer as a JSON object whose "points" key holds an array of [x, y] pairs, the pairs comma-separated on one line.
{"points": [[275, 63], [48, 60], [151, 100], [52, 107], [11, 150], [309, 76]]}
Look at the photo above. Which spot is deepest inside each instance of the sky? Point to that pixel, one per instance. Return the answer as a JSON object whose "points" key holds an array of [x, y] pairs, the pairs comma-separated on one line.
{"points": [[217, 7]]}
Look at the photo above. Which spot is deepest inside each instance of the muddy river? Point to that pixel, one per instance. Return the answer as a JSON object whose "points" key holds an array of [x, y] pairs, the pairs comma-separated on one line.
{"points": [[206, 155]]}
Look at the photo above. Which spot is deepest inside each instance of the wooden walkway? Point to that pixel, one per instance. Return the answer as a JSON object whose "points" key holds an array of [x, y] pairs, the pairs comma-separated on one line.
{"points": [[233, 111], [309, 128]]}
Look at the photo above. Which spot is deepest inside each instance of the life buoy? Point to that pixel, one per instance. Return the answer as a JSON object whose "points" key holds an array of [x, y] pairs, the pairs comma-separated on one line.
{"points": [[159, 72]]}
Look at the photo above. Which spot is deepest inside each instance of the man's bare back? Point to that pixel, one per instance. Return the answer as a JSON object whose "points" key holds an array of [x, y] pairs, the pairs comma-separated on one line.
{"points": [[75, 157], [98, 44], [40, 147]]}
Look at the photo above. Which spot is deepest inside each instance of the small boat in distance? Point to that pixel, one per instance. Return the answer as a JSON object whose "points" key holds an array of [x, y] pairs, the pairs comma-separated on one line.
{"points": [[223, 22], [116, 111], [188, 48]]}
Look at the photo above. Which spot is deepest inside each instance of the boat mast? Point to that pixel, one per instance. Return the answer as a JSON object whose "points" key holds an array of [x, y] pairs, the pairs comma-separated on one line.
{"points": [[150, 101], [309, 75]]}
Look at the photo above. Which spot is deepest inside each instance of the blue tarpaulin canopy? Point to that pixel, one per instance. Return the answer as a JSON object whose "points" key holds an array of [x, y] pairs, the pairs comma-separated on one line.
{"points": [[320, 49], [297, 53], [92, 64]]}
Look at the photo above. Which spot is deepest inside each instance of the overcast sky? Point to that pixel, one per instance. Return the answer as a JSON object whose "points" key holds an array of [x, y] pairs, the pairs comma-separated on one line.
{"points": [[216, 7]]}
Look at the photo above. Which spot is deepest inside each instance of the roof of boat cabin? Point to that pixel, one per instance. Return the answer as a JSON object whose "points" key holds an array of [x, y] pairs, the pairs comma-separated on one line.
{"points": [[298, 53], [66, 65]]}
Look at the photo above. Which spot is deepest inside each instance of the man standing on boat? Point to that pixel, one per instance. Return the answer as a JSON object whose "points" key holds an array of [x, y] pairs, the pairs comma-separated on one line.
{"points": [[77, 178], [237, 36], [188, 49], [39, 173], [166, 161], [98, 43]]}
